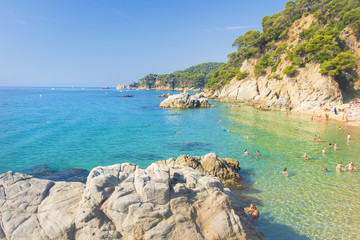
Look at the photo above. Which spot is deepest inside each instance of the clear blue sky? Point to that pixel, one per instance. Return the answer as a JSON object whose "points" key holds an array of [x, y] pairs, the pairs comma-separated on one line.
{"points": [[104, 43]]}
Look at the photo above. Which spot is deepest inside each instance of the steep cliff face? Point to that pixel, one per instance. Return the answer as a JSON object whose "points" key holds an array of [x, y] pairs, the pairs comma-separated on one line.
{"points": [[307, 89], [304, 67]]}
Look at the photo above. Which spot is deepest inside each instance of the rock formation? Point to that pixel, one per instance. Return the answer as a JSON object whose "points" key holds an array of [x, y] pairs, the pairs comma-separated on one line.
{"points": [[165, 95], [185, 100], [307, 89], [273, 89], [122, 201], [126, 96], [211, 164], [120, 87]]}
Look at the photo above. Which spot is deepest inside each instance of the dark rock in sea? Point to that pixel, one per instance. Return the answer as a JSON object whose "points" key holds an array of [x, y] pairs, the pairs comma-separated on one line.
{"points": [[126, 95], [165, 95], [190, 146], [68, 175]]}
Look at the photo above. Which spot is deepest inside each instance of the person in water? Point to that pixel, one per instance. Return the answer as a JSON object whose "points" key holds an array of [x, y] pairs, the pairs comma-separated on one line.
{"points": [[257, 153], [305, 156], [330, 145], [250, 207], [324, 169], [254, 213], [285, 171], [319, 139], [335, 147], [350, 166], [348, 137], [339, 167], [246, 153], [324, 150]]}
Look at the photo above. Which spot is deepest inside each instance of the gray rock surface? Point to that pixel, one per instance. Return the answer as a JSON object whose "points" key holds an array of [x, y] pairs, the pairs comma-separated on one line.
{"points": [[185, 100], [306, 89], [122, 201], [211, 164]]}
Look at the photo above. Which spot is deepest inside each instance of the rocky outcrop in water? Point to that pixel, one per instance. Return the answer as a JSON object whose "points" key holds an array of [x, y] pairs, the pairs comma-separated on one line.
{"points": [[122, 201], [211, 164], [120, 87], [165, 95], [185, 100], [126, 96]]}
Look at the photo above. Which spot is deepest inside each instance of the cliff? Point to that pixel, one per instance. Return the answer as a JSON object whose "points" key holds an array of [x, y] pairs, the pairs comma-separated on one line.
{"points": [[122, 201], [308, 54]]}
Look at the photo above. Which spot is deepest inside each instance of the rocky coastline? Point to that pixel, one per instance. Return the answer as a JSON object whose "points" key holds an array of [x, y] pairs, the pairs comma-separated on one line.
{"points": [[124, 201], [185, 100]]}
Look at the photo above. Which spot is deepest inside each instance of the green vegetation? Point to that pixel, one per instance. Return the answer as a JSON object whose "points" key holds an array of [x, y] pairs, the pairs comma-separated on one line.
{"points": [[192, 77], [321, 42]]}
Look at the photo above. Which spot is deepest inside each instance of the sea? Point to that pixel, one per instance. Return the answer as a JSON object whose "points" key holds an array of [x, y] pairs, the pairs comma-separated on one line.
{"points": [[58, 131]]}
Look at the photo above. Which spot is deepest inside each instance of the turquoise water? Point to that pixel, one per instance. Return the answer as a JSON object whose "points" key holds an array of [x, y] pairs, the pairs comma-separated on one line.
{"points": [[87, 127]]}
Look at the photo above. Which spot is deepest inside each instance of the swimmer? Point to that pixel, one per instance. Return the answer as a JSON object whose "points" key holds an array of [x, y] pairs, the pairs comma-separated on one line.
{"points": [[147, 125], [254, 213], [246, 136], [284, 171], [350, 166], [257, 153], [330, 145], [324, 150], [246, 153], [219, 121], [324, 170], [180, 131], [251, 207], [305, 156], [335, 147], [339, 167]]}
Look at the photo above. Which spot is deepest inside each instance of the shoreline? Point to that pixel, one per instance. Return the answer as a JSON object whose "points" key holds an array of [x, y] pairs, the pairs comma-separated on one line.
{"points": [[349, 116]]}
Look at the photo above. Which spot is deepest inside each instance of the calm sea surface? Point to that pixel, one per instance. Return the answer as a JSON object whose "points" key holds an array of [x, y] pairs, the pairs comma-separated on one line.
{"points": [[69, 128]]}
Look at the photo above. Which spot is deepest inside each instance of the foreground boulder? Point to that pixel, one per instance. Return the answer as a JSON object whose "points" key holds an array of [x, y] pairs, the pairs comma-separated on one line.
{"points": [[185, 100], [211, 164], [122, 201]]}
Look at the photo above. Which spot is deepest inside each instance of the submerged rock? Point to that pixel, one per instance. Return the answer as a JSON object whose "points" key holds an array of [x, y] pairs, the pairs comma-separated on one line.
{"points": [[126, 96], [185, 100], [121, 201]]}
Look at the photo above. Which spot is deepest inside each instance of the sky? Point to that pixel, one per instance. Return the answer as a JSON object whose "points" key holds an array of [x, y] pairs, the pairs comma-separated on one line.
{"points": [[105, 43]]}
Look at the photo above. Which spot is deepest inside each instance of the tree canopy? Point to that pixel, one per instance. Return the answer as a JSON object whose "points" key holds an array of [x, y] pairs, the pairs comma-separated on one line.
{"points": [[321, 42]]}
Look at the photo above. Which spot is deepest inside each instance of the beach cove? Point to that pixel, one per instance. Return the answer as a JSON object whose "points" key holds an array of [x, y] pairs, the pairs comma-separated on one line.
{"points": [[84, 128]]}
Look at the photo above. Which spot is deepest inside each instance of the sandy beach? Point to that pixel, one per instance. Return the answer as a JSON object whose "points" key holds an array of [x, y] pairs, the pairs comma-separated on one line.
{"points": [[347, 113]]}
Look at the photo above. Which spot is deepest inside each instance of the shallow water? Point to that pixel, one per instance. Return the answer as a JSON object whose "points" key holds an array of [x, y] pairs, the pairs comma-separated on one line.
{"points": [[69, 128]]}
